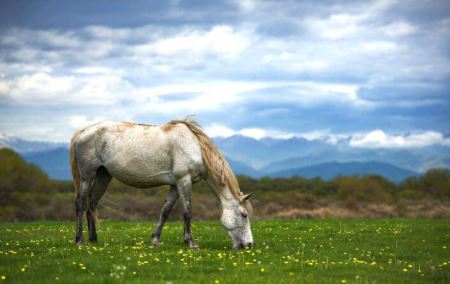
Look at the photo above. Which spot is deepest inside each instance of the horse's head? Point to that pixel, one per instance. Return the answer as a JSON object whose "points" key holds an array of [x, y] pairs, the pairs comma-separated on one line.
{"points": [[236, 221]]}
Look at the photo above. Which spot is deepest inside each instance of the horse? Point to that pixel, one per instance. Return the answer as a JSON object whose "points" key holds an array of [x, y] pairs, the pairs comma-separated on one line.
{"points": [[177, 153]]}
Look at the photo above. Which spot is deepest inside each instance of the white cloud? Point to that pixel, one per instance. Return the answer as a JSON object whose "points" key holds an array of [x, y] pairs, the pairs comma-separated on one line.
{"points": [[323, 135], [378, 47], [44, 88], [247, 6], [220, 40], [79, 121], [4, 86], [256, 133], [379, 139], [297, 62], [218, 130], [372, 140], [398, 29], [336, 26], [309, 93], [198, 97], [101, 89], [40, 86], [89, 70], [107, 33], [104, 86], [356, 21]]}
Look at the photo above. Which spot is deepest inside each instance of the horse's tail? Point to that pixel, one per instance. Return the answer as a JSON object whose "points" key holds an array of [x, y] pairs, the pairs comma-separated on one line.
{"points": [[217, 167], [76, 174], [74, 165]]}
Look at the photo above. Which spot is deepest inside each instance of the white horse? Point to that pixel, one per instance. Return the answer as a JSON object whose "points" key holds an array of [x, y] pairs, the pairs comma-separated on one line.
{"points": [[178, 154]]}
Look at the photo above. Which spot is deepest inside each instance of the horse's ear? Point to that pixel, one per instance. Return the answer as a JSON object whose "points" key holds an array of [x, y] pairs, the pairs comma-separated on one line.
{"points": [[246, 197]]}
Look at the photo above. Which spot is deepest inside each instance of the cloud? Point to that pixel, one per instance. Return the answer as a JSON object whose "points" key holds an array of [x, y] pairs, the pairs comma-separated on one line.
{"points": [[379, 139], [309, 94], [89, 70], [37, 86], [220, 40], [247, 6], [337, 26], [186, 99], [339, 66], [44, 88], [375, 139], [378, 47], [79, 121], [218, 130], [325, 136], [399, 29], [354, 20]]}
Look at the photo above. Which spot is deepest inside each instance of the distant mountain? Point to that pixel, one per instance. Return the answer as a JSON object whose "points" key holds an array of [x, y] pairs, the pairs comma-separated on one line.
{"points": [[267, 156], [259, 153], [271, 155], [55, 162], [331, 170], [414, 161], [241, 168], [25, 146]]}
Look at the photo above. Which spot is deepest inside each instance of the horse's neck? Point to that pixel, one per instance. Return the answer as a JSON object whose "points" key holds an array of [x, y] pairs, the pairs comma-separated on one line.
{"points": [[224, 194]]}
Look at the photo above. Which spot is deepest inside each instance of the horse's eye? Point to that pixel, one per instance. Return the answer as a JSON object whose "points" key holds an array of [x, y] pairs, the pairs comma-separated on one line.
{"points": [[243, 214]]}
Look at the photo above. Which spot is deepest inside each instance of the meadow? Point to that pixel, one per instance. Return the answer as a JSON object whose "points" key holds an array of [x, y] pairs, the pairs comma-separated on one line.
{"points": [[296, 251]]}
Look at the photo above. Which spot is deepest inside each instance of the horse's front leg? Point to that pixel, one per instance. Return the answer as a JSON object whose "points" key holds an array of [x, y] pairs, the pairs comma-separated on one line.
{"points": [[184, 186], [165, 211]]}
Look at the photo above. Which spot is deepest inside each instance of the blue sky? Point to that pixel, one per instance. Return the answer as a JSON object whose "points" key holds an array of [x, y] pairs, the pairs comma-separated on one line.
{"points": [[375, 71]]}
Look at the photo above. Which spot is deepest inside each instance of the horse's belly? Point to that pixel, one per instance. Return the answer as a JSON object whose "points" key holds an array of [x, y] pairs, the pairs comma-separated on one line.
{"points": [[140, 167], [140, 177], [145, 182]]}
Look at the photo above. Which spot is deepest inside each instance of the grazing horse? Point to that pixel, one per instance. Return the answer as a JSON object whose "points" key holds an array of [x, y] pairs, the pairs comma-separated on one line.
{"points": [[177, 153]]}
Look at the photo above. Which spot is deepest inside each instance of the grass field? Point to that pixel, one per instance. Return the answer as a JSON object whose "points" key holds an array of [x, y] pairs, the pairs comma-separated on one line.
{"points": [[303, 251]]}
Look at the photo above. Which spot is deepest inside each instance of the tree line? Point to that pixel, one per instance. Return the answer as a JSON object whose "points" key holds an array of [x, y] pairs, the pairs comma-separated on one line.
{"points": [[27, 193]]}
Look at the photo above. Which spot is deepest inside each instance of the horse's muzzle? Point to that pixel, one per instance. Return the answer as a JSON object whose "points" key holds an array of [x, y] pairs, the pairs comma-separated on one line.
{"points": [[246, 245]]}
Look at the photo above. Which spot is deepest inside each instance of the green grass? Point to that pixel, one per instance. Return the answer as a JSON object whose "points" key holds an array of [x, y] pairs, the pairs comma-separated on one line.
{"points": [[303, 251]]}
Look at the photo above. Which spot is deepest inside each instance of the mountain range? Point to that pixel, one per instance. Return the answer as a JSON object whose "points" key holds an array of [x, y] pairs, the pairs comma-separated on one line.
{"points": [[274, 157]]}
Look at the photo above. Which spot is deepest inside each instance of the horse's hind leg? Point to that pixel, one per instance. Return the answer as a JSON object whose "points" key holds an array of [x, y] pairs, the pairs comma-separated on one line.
{"points": [[102, 179], [165, 211], [81, 206], [184, 186]]}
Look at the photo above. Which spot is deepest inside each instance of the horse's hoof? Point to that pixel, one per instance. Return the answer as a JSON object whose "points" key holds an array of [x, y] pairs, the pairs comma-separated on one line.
{"points": [[79, 240], [193, 246], [156, 242]]}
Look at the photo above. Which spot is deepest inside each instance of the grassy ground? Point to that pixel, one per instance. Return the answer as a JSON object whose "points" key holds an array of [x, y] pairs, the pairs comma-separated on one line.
{"points": [[330, 251]]}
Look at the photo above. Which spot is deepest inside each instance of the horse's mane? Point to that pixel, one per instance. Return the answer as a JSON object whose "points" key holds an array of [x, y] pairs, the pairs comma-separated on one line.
{"points": [[217, 167]]}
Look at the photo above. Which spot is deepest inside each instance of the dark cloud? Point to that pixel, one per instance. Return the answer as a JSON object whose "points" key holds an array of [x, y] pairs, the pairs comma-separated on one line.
{"points": [[66, 14]]}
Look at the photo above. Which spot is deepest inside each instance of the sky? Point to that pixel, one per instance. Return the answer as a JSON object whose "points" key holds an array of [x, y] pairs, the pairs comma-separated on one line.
{"points": [[376, 71]]}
